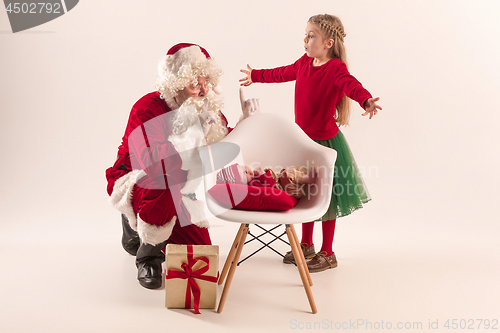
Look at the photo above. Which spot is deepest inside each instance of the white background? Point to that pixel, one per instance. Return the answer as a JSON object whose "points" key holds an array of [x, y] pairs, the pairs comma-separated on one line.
{"points": [[426, 247]]}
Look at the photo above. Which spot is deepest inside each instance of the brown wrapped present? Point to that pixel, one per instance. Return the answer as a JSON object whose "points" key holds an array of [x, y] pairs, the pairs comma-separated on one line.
{"points": [[191, 275]]}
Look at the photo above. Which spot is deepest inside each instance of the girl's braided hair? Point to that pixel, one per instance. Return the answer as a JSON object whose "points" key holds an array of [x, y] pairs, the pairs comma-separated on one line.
{"points": [[332, 30], [332, 27]]}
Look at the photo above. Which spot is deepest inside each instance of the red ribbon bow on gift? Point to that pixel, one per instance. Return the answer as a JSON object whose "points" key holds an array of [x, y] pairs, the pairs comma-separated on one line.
{"points": [[188, 273]]}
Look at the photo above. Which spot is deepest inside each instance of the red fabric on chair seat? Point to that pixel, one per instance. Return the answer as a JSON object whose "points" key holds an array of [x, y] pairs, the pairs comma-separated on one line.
{"points": [[247, 197]]}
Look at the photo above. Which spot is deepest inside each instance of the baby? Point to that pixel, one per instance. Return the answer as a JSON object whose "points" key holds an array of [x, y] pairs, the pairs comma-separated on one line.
{"points": [[292, 180]]}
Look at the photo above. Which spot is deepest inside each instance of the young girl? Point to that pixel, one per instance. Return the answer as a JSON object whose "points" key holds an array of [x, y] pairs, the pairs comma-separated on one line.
{"points": [[322, 85]]}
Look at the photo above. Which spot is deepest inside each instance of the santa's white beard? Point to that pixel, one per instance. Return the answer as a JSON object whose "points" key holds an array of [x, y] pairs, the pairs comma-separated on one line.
{"points": [[218, 130]]}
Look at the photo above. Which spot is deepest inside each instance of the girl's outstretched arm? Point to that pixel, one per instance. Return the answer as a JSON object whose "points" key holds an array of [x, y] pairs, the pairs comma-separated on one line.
{"points": [[246, 81], [371, 107]]}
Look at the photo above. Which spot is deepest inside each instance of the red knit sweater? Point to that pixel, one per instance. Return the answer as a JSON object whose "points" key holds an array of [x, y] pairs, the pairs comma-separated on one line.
{"points": [[318, 91]]}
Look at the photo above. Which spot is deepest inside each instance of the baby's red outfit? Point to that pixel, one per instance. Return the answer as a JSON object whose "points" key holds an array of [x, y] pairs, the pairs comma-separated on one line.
{"points": [[264, 180]]}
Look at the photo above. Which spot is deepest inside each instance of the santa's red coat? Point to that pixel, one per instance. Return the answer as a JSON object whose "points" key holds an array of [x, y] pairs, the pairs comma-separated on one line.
{"points": [[150, 202]]}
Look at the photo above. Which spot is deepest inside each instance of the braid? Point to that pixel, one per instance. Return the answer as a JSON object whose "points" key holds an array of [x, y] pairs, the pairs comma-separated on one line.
{"points": [[332, 30]]}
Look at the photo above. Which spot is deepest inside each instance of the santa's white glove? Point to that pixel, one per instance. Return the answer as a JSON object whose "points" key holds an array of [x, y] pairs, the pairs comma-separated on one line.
{"points": [[249, 107], [207, 118]]}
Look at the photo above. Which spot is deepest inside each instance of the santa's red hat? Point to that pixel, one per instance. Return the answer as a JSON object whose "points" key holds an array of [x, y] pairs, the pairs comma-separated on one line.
{"points": [[179, 46], [183, 64]]}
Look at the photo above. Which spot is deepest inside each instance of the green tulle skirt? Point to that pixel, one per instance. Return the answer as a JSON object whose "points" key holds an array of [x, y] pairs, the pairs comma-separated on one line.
{"points": [[349, 190]]}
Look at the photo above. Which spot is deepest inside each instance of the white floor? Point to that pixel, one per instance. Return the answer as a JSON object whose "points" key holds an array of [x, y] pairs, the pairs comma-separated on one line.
{"points": [[64, 277]]}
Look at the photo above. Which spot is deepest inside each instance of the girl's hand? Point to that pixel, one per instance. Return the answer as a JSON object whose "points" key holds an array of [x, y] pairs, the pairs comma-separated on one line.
{"points": [[246, 81], [371, 107]]}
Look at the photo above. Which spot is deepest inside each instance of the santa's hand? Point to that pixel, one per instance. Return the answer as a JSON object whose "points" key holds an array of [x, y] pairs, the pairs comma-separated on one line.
{"points": [[207, 118], [249, 107]]}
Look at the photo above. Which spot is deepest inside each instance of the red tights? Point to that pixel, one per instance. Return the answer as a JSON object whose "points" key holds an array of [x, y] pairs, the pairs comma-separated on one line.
{"points": [[328, 228]]}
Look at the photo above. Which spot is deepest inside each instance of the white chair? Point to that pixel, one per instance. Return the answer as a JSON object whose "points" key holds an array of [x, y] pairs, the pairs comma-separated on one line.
{"points": [[269, 140]]}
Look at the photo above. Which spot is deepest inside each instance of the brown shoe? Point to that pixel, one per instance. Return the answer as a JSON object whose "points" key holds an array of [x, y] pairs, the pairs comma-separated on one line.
{"points": [[321, 263], [309, 252]]}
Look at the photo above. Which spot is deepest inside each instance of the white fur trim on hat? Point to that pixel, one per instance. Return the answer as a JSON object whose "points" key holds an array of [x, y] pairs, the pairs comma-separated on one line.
{"points": [[153, 234]]}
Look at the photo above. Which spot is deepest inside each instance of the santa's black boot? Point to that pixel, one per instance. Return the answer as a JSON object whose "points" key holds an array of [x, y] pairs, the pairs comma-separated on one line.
{"points": [[148, 261], [130, 238]]}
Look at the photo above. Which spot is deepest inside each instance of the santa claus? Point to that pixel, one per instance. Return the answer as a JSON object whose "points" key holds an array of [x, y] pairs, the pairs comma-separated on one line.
{"points": [[153, 180]]}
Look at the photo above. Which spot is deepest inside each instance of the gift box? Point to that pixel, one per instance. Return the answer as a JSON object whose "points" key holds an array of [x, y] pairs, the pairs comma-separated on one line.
{"points": [[191, 273]]}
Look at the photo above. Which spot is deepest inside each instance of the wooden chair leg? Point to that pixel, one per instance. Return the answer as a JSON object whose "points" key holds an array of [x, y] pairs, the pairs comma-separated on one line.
{"points": [[292, 229], [232, 267], [300, 264], [230, 256]]}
